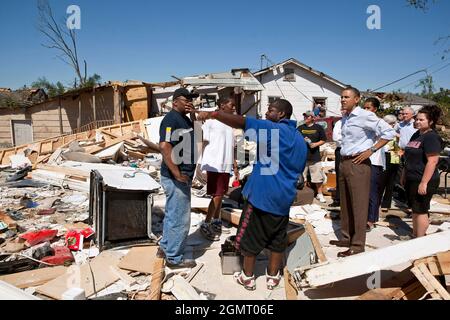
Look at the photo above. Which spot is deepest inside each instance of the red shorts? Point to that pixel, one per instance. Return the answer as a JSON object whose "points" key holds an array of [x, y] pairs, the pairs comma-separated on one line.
{"points": [[217, 184]]}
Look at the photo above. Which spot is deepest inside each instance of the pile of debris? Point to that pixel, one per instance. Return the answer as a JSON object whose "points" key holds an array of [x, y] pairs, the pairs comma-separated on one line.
{"points": [[47, 232]]}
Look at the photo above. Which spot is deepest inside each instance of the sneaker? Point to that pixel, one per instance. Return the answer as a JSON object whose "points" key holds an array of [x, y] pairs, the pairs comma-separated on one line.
{"points": [[186, 263], [248, 283], [207, 231], [321, 198], [273, 281]]}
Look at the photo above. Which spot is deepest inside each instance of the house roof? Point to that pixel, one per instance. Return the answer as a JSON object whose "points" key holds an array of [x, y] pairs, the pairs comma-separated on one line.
{"points": [[303, 66], [242, 78], [21, 98]]}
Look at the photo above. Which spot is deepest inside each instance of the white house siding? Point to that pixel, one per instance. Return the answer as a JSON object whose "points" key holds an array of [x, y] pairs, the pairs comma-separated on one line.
{"points": [[306, 82]]}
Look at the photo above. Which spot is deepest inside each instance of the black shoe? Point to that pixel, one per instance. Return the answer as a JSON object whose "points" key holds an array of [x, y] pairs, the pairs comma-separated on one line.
{"points": [[182, 265], [340, 243], [349, 252]]}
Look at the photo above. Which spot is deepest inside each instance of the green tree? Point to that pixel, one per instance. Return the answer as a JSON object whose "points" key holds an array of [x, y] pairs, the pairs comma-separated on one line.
{"points": [[51, 89], [427, 86]]}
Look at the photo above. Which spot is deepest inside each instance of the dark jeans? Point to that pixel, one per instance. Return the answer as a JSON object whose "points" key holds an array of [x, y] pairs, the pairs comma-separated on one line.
{"points": [[337, 161], [391, 177], [376, 176]]}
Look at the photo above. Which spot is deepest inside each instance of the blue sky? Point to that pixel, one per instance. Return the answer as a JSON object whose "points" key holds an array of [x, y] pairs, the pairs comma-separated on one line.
{"points": [[152, 40]]}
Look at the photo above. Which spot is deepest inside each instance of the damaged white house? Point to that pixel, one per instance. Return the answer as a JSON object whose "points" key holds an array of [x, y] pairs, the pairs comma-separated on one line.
{"points": [[301, 85]]}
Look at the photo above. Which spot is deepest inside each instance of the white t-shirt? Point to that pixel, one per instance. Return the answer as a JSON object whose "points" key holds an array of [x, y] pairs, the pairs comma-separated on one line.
{"points": [[218, 155]]}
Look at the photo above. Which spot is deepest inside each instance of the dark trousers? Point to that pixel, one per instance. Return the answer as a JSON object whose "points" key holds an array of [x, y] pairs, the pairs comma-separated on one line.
{"points": [[376, 181], [390, 178], [337, 162], [354, 187]]}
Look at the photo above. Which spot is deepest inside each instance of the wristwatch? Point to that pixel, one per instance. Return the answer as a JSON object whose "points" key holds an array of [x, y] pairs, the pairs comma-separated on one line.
{"points": [[373, 149]]}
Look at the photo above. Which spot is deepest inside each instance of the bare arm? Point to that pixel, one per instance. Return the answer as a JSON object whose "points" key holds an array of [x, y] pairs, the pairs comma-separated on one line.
{"points": [[432, 161], [166, 151], [232, 120]]}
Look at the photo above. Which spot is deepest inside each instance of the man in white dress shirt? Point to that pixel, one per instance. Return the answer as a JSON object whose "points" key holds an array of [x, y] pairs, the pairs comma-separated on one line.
{"points": [[359, 131]]}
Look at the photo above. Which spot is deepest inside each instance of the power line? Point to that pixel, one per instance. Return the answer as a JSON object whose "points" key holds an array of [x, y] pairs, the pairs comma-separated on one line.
{"points": [[410, 75], [414, 82], [391, 83]]}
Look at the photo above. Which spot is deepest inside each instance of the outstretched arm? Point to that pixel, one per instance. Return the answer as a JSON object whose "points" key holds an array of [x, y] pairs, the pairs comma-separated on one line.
{"points": [[232, 120]]}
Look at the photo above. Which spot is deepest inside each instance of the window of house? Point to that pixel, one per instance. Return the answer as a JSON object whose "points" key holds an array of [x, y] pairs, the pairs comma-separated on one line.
{"points": [[289, 74], [320, 106]]}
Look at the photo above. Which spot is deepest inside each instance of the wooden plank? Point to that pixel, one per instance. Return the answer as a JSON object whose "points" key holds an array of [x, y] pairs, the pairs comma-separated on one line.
{"points": [[12, 224], [444, 262], [433, 282], [414, 290], [33, 278], [157, 278], [380, 294], [315, 241], [233, 216], [92, 277], [135, 155], [371, 261], [95, 149], [429, 282], [65, 170], [291, 291], [141, 259]]}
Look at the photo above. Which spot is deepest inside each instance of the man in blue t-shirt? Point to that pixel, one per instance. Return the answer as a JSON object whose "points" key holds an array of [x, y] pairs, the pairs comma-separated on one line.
{"points": [[270, 190]]}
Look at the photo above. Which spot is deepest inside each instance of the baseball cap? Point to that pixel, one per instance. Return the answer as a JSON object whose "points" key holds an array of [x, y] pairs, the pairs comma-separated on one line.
{"points": [[308, 114], [183, 92]]}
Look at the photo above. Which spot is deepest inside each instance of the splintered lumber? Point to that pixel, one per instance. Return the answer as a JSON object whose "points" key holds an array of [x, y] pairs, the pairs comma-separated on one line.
{"points": [[430, 283], [42, 148], [33, 278], [150, 144], [141, 259], [125, 128], [290, 290], [157, 278], [413, 290], [92, 277], [376, 260], [95, 149]]}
